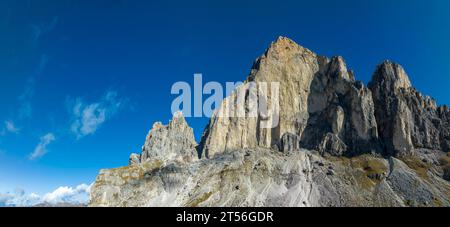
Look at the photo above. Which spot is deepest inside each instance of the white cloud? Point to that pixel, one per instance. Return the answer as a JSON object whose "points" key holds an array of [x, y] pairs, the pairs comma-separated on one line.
{"points": [[87, 118], [4, 199], [41, 148], [18, 198], [77, 195], [11, 127]]}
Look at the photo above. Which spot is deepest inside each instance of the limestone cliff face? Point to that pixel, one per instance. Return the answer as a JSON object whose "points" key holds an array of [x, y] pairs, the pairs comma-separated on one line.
{"points": [[407, 119], [319, 101], [335, 142]]}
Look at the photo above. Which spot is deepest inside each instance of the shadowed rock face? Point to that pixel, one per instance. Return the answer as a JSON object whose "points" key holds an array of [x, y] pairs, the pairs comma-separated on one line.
{"points": [[406, 119], [337, 143]]}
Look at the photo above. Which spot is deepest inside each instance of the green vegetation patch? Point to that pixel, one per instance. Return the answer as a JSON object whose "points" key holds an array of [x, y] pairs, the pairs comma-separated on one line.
{"points": [[366, 169], [420, 168], [202, 198], [374, 168]]}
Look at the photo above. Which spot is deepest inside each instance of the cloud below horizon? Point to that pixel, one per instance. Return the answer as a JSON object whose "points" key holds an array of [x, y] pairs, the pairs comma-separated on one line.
{"points": [[64, 194], [79, 194]]}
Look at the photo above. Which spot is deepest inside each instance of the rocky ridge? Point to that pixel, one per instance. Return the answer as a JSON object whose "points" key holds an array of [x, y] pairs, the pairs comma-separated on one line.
{"points": [[172, 142], [337, 143]]}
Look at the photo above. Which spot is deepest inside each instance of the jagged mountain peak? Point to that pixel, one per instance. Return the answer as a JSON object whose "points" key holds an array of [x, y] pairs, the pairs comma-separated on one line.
{"points": [[280, 51], [391, 75], [317, 94], [178, 121], [338, 68], [406, 119], [285, 47], [169, 143], [337, 143]]}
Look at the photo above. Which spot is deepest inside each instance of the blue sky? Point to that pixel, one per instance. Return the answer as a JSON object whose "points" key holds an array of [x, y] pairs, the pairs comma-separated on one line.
{"points": [[83, 81]]}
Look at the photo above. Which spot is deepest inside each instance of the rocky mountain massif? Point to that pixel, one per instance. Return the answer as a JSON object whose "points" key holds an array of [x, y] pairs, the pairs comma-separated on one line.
{"points": [[337, 143]]}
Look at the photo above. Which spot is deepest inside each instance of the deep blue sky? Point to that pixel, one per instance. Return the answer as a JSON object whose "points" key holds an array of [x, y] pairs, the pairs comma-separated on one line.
{"points": [[55, 54]]}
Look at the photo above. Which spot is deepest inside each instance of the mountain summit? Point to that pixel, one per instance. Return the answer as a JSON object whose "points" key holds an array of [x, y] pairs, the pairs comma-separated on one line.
{"points": [[337, 142]]}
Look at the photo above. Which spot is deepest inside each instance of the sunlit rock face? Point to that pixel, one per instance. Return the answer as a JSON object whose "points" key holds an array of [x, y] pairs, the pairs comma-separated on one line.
{"points": [[318, 99], [332, 142]]}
